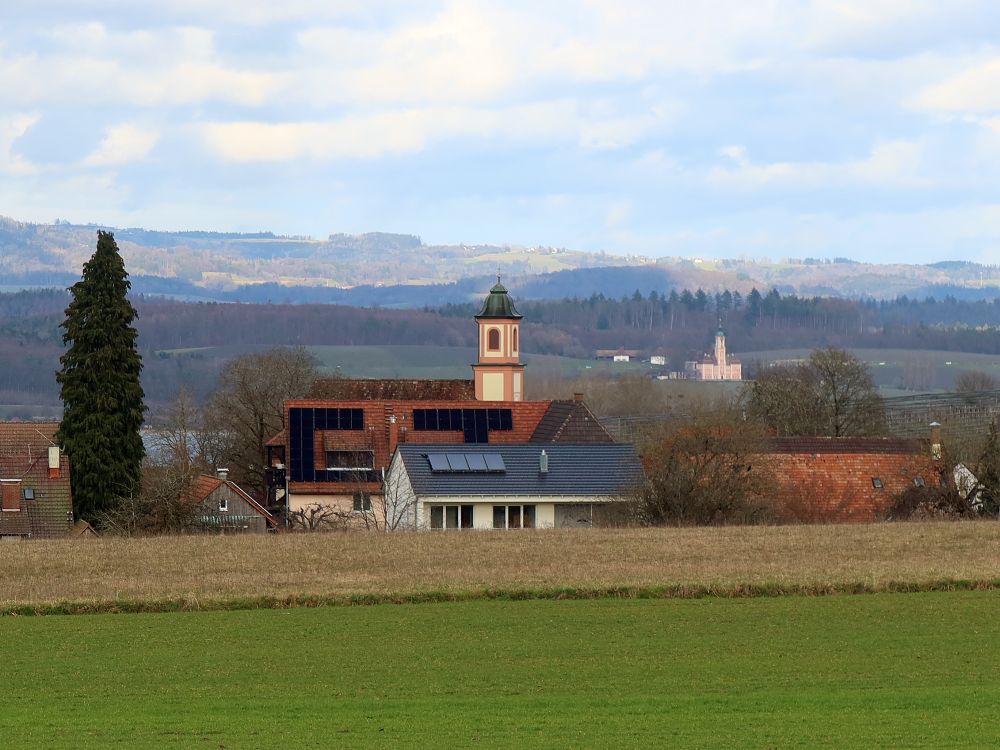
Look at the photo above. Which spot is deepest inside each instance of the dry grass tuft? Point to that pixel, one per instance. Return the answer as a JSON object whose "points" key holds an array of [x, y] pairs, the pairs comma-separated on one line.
{"points": [[409, 566]]}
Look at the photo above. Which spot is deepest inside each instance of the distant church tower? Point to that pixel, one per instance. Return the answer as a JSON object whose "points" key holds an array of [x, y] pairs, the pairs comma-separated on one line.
{"points": [[720, 350], [718, 365], [499, 373]]}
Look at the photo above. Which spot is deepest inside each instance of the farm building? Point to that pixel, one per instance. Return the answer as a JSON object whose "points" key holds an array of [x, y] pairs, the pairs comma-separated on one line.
{"points": [[35, 493], [847, 479], [617, 355], [435, 486], [223, 506]]}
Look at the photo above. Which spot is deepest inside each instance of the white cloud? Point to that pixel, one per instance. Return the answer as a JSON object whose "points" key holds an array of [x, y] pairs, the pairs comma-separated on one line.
{"points": [[412, 130], [123, 144], [974, 90], [12, 128], [891, 164], [145, 69]]}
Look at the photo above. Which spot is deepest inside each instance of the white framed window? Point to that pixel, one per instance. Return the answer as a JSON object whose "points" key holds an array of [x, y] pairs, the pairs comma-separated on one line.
{"points": [[451, 516], [513, 516], [362, 502], [223, 504], [351, 465]]}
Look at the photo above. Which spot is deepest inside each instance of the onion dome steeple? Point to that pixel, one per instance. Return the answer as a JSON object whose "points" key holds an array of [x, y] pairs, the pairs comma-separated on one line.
{"points": [[498, 304], [499, 373]]}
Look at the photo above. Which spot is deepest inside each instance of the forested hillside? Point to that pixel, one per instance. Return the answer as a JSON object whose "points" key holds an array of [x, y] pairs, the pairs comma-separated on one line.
{"points": [[400, 270], [184, 342]]}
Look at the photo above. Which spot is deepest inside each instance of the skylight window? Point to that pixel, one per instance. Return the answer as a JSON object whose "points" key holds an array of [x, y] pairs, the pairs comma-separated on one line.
{"points": [[877, 483]]}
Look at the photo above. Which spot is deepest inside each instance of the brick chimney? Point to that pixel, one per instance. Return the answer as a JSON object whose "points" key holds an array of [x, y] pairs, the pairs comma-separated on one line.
{"points": [[578, 397], [936, 441], [53, 462]]}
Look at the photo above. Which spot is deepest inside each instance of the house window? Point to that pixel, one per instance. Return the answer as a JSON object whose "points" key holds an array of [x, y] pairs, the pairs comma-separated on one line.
{"points": [[451, 516], [513, 516], [351, 465], [877, 483], [362, 502], [514, 340], [493, 340], [223, 504]]}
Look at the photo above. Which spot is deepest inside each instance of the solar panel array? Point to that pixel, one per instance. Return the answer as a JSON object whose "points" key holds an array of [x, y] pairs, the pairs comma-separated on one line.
{"points": [[466, 463], [303, 423], [476, 424]]}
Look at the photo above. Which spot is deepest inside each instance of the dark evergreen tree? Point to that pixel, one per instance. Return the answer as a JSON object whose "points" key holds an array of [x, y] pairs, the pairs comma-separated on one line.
{"points": [[99, 380]]}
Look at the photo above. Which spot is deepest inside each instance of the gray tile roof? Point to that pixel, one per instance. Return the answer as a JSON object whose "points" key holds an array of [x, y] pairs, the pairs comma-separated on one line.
{"points": [[574, 470]]}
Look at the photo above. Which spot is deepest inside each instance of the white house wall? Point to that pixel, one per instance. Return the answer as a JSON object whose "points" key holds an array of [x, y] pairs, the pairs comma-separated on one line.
{"points": [[482, 508]]}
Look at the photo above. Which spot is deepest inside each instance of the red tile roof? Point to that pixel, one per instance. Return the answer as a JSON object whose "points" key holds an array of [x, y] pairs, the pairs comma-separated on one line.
{"points": [[362, 389], [844, 445], [278, 440], [831, 479], [24, 450]]}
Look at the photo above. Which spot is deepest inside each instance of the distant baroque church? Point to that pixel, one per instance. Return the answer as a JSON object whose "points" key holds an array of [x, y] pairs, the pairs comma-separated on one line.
{"points": [[716, 366]]}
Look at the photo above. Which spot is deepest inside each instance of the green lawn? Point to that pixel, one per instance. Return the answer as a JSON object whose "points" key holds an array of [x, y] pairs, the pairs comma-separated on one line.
{"points": [[895, 670]]}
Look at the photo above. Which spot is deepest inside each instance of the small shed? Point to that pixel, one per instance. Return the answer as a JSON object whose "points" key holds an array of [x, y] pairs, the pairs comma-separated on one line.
{"points": [[225, 507]]}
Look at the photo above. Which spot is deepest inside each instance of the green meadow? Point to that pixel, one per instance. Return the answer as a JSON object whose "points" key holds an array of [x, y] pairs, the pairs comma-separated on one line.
{"points": [[843, 671]]}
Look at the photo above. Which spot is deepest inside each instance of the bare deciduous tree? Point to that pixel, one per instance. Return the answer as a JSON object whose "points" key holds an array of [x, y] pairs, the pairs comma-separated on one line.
{"points": [[832, 394], [248, 408], [164, 506], [975, 381], [707, 470], [394, 511], [319, 517]]}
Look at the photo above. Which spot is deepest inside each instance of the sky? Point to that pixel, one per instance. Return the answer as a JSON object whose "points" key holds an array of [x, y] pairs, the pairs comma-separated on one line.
{"points": [[867, 129]]}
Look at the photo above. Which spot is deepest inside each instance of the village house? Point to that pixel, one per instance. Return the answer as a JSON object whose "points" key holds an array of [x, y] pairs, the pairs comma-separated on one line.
{"points": [[431, 486], [35, 496], [339, 440], [617, 355], [715, 366]]}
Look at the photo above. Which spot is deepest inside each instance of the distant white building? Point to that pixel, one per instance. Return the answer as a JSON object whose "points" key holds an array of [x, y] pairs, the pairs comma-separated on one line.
{"points": [[658, 359], [715, 366]]}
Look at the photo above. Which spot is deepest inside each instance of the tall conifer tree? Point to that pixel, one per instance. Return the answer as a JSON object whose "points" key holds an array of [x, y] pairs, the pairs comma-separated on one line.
{"points": [[102, 398]]}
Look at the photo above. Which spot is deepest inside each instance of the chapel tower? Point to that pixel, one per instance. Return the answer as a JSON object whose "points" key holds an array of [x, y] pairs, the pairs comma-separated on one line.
{"points": [[499, 374], [721, 362]]}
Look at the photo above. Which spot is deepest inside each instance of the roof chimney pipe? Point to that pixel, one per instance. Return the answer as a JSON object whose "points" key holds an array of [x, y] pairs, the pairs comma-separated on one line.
{"points": [[543, 463]]}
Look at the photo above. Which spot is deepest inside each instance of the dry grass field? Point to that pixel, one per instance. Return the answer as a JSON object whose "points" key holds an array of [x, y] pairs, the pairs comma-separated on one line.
{"points": [[204, 571]]}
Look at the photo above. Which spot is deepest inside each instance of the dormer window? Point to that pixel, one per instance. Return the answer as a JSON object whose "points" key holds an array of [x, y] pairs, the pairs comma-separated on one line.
{"points": [[493, 340]]}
